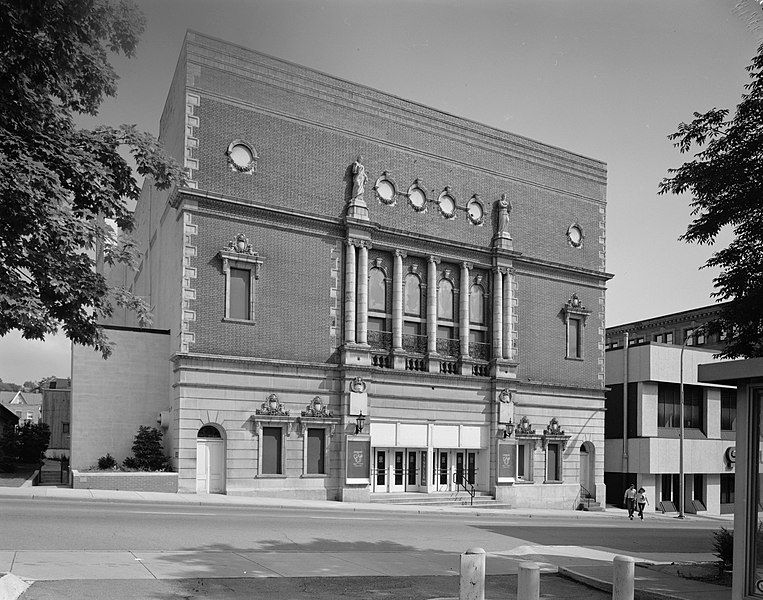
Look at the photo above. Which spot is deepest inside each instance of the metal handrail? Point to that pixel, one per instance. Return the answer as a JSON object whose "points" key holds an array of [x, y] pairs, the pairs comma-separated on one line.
{"points": [[463, 481]]}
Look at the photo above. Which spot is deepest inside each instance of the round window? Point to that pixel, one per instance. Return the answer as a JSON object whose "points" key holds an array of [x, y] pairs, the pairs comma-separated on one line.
{"points": [[385, 190], [475, 211], [241, 156], [417, 198], [447, 205], [575, 235]]}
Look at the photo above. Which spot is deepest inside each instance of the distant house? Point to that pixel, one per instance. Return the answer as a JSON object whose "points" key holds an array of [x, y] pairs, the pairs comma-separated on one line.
{"points": [[27, 406], [56, 412]]}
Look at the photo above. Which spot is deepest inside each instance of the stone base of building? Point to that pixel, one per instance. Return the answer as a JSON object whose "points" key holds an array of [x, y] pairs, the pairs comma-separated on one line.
{"points": [[355, 494], [289, 493], [561, 496]]}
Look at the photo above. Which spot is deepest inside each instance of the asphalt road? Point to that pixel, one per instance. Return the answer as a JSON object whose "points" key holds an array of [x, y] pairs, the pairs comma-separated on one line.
{"points": [[57, 525]]}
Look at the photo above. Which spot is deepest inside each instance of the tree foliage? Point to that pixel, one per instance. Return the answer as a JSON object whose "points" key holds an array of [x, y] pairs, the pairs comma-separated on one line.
{"points": [[58, 183], [148, 453], [725, 181], [28, 442]]}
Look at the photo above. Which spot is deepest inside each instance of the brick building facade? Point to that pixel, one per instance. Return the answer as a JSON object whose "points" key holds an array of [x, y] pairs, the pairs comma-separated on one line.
{"points": [[339, 251]]}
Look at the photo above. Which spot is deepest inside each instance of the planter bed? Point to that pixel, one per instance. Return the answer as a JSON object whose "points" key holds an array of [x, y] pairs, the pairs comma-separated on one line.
{"points": [[135, 481]]}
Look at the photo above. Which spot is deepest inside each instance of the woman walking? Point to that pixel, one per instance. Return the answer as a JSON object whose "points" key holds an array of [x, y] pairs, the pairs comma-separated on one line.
{"points": [[641, 502]]}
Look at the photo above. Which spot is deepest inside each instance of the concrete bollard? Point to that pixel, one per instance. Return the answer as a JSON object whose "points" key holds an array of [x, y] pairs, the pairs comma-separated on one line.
{"points": [[622, 578], [528, 583], [472, 575]]}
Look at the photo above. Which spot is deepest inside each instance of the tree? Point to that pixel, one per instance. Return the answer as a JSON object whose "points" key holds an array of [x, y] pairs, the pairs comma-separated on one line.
{"points": [[58, 183], [725, 180], [29, 442], [148, 453]]}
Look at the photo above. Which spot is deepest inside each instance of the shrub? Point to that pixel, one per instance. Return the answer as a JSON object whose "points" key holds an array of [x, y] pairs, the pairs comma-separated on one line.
{"points": [[723, 544], [148, 454], [107, 462], [31, 441]]}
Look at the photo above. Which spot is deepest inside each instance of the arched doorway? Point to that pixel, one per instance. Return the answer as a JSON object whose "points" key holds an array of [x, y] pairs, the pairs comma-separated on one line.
{"points": [[210, 461], [587, 461]]}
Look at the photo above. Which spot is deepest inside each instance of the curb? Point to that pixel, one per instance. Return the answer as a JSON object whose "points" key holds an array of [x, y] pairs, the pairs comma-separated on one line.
{"points": [[606, 586], [11, 587], [329, 506]]}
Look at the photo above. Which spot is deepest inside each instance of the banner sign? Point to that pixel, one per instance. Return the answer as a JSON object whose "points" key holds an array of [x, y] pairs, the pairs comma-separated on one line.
{"points": [[358, 460], [506, 454]]}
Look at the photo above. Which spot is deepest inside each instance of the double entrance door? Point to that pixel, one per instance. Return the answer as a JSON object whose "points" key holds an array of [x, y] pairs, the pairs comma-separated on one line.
{"points": [[407, 470]]}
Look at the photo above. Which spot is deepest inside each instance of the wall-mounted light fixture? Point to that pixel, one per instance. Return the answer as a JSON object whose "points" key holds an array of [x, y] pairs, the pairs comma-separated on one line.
{"points": [[360, 422], [509, 429]]}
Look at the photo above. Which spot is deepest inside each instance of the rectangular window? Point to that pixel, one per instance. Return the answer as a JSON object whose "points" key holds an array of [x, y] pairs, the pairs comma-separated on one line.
{"points": [[664, 338], [411, 328], [477, 336], [29, 416], [272, 438], [444, 333], [316, 451], [574, 349], [727, 488], [700, 338], [669, 405], [239, 294], [376, 324], [728, 410], [689, 336], [666, 487], [553, 462], [65, 428]]}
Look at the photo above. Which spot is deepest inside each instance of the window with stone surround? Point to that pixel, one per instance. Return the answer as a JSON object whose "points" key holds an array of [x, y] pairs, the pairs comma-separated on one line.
{"points": [[271, 457], [525, 461], [575, 315], [478, 340], [315, 451], [241, 267], [553, 461]]}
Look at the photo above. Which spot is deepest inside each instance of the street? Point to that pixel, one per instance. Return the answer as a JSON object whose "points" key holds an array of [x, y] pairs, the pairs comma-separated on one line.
{"points": [[136, 551]]}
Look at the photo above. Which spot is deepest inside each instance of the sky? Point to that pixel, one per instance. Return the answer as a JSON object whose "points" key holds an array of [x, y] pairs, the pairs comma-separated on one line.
{"points": [[609, 79]]}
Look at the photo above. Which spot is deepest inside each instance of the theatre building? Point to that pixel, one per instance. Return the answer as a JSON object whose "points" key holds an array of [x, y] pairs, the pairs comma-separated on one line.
{"points": [[357, 296]]}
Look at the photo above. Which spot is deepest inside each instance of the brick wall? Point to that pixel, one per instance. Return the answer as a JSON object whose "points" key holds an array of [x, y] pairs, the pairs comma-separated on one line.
{"points": [[132, 482]]}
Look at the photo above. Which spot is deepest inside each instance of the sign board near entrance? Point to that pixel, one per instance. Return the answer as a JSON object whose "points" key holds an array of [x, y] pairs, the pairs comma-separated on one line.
{"points": [[506, 462], [359, 460]]}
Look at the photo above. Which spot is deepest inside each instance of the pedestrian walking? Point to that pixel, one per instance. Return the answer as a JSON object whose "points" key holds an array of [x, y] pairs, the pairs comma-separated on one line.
{"points": [[641, 502], [630, 500]]}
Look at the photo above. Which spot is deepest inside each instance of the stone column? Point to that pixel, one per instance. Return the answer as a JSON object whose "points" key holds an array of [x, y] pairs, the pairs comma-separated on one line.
{"points": [[432, 305], [497, 313], [463, 315], [397, 302], [349, 294], [507, 312], [362, 314]]}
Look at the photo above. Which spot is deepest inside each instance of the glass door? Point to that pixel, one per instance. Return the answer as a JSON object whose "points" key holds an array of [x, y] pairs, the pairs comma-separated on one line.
{"points": [[411, 476], [459, 480], [397, 484], [471, 468], [380, 471]]}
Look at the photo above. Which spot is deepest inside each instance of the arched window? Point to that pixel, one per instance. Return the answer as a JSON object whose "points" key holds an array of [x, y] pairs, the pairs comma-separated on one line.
{"points": [[208, 431], [379, 320], [447, 344], [445, 301], [478, 347], [413, 323], [377, 291], [477, 305]]}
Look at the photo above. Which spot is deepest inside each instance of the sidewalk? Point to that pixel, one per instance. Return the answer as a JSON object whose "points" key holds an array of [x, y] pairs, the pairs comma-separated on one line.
{"points": [[68, 494], [590, 566]]}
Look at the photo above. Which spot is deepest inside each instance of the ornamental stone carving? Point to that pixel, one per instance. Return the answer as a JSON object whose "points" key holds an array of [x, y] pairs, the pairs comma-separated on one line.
{"points": [[317, 408], [272, 407], [241, 245], [359, 178], [358, 385]]}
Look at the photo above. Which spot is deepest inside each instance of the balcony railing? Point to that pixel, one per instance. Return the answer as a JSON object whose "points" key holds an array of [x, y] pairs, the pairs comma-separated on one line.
{"points": [[479, 350], [382, 360], [448, 347], [380, 339], [415, 343]]}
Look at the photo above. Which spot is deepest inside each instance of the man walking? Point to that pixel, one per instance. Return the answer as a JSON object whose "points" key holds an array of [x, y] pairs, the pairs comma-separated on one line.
{"points": [[630, 500]]}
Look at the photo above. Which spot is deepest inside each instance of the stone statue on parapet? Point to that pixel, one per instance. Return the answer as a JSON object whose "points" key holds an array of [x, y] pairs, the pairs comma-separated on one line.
{"points": [[359, 178]]}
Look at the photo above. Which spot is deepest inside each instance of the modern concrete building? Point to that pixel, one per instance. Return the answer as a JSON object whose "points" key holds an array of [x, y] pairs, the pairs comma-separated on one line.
{"points": [[357, 295], [642, 433]]}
